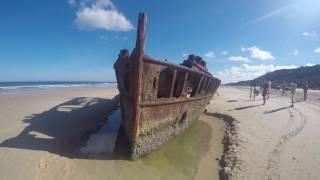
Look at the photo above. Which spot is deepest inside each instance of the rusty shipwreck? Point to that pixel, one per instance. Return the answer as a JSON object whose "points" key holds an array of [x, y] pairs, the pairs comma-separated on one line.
{"points": [[159, 99]]}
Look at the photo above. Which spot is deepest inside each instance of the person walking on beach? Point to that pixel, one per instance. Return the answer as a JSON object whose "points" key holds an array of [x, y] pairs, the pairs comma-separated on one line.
{"points": [[293, 87], [305, 91], [265, 86], [269, 89], [284, 86]]}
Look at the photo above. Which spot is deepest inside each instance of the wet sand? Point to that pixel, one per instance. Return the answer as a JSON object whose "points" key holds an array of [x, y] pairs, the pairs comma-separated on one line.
{"points": [[42, 133]]}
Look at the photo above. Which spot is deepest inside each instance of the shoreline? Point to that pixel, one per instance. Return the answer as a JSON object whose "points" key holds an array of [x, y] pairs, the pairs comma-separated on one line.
{"points": [[30, 91]]}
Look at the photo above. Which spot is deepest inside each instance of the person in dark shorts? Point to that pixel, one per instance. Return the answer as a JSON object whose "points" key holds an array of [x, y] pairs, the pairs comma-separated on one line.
{"points": [[305, 91], [265, 88], [284, 87]]}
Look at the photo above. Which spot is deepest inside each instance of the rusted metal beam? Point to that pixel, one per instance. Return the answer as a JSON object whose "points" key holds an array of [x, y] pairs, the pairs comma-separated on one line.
{"points": [[184, 83], [137, 61], [171, 101], [205, 87], [156, 87], [208, 87], [179, 67], [174, 76], [142, 22], [198, 86]]}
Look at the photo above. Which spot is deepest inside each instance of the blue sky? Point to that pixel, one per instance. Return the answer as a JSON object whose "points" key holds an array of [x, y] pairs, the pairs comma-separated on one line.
{"points": [[80, 39]]}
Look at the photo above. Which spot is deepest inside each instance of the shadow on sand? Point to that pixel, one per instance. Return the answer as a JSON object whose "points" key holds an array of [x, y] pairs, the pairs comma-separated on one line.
{"points": [[245, 107], [65, 128], [276, 110], [232, 101]]}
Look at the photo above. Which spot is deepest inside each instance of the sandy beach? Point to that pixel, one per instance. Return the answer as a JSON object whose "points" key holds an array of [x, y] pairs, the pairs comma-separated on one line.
{"points": [[273, 141], [42, 133], [159, 90]]}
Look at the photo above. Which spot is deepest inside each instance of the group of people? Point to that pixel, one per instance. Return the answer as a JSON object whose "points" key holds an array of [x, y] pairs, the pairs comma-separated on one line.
{"points": [[266, 88]]}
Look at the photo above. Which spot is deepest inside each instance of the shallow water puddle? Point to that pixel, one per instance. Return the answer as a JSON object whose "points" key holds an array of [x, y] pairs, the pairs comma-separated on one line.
{"points": [[104, 140], [178, 159]]}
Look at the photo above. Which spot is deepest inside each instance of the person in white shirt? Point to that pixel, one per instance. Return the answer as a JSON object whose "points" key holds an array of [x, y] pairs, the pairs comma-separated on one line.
{"points": [[293, 87], [269, 89]]}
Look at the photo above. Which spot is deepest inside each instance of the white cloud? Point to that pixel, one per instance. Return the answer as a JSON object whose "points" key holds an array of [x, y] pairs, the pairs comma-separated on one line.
{"points": [[243, 49], [259, 54], [296, 52], [239, 59], [224, 52], [102, 14], [210, 54], [317, 50], [184, 55], [247, 72], [311, 34], [309, 64]]}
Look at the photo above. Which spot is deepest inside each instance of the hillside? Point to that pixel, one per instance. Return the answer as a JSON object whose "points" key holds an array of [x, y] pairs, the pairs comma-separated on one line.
{"points": [[301, 75]]}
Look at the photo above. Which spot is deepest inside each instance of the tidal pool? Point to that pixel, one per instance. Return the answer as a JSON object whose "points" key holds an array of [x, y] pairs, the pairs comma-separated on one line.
{"points": [[178, 159]]}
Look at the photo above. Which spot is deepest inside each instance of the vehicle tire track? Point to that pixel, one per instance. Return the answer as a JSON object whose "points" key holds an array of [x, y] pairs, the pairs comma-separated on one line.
{"points": [[272, 169]]}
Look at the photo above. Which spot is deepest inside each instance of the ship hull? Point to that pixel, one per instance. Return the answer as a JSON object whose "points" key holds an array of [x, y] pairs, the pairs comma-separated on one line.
{"points": [[158, 99], [163, 122]]}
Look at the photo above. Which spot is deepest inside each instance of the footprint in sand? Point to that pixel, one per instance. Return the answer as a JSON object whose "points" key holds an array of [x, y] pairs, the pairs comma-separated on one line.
{"points": [[43, 164]]}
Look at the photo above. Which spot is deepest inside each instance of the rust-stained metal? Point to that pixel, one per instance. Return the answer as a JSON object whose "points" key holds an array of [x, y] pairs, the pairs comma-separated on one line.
{"points": [[159, 99]]}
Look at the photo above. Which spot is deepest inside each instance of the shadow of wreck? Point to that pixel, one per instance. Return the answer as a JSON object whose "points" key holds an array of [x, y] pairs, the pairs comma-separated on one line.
{"points": [[65, 128]]}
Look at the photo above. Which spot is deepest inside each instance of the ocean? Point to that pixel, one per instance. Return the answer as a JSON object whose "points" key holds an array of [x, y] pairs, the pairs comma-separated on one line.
{"points": [[22, 86]]}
